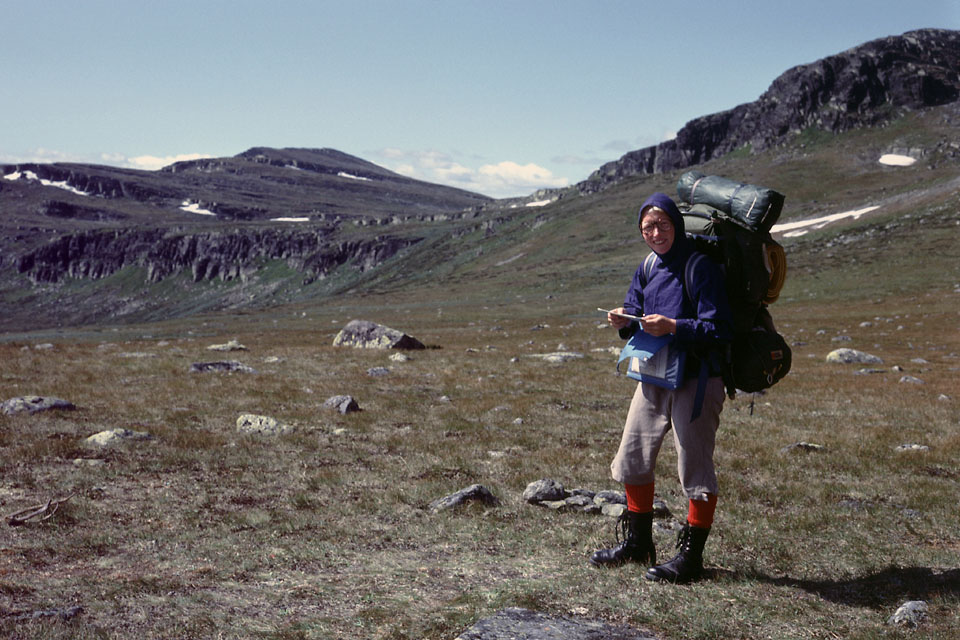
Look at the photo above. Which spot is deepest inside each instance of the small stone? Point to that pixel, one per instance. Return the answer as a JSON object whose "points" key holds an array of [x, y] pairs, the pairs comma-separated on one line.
{"points": [[261, 425], [558, 357], [613, 510], [232, 345], [911, 380], [400, 357], [34, 404], [850, 356], [475, 492], [343, 404], [913, 447], [610, 497], [228, 366], [378, 372], [113, 436], [802, 446]]}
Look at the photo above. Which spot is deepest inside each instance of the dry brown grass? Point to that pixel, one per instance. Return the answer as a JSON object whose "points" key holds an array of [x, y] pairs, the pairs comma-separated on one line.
{"points": [[324, 533]]}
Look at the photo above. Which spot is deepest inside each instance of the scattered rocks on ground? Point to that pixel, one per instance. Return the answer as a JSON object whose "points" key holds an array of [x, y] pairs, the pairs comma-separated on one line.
{"points": [[232, 345], [115, 436], [852, 356], [364, 334], [551, 494], [343, 404], [558, 356], [136, 354], [228, 366], [473, 493], [34, 404], [262, 425], [522, 624], [910, 614]]}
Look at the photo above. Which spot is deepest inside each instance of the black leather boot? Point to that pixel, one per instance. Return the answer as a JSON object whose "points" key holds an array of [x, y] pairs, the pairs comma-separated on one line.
{"points": [[634, 542], [687, 565]]}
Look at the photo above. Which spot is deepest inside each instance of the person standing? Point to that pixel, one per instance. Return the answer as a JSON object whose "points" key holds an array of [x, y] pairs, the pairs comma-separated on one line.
{"points": [[697, 314]]}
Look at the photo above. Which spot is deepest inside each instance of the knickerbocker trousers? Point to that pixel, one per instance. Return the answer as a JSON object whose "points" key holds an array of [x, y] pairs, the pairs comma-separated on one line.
{"points": [[652, 412]]}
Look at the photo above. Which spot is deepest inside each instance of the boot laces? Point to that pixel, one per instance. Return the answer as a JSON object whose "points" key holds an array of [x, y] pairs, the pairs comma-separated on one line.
{"points": [[623, 528]]}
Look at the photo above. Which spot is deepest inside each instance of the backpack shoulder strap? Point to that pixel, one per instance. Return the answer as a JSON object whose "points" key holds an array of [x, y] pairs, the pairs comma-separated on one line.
{"points": [[689, 269], [646, 268]]}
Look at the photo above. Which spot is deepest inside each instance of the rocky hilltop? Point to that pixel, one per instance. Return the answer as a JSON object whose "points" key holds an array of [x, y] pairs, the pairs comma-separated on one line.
{"points": [[91, 243], [863, 86]]}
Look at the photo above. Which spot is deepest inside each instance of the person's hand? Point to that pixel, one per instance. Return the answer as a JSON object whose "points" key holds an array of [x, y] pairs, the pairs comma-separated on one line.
{"points": [[658, 325], [617, 322]]}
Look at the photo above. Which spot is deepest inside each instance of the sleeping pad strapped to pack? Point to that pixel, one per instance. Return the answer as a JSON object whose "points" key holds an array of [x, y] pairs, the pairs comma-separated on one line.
{"points": [[730, 222]]}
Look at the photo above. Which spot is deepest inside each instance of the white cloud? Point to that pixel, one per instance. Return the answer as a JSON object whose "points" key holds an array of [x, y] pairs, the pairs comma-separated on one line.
{"points": [[501, 180], [153, 163], [146, 162]]}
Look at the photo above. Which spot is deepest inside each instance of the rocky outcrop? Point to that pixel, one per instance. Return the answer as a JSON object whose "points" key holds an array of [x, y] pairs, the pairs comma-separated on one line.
{"points": [[863, 86], [223, 255]]}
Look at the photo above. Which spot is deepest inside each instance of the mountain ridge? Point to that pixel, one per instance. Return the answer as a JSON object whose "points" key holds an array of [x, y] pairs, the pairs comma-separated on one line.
{"points": [[865, 85], [89, 243]]}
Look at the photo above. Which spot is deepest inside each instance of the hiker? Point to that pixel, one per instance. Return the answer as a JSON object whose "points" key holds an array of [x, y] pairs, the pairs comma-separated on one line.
{"points": [[699, 321]]}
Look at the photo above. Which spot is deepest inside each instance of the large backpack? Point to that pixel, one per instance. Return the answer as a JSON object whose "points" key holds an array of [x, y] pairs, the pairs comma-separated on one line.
{"points": [[730, 223]]}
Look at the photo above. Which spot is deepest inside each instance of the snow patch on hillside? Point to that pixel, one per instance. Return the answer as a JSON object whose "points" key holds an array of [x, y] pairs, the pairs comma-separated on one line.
{"points": [[31, 176], [344, 174], [194, 207], [802, 227], [895, 160]]}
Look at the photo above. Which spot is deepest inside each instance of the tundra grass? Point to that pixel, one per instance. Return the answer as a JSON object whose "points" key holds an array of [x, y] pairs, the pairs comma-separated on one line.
{"points": [[326, 533]]}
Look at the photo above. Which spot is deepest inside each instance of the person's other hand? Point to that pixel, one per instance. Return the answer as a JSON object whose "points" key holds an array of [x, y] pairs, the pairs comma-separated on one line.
{"points": [[658, 325]]}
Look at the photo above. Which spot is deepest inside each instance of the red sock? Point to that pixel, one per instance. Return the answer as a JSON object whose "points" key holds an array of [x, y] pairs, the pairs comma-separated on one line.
{"points": [[639, 497], [700, 513]]}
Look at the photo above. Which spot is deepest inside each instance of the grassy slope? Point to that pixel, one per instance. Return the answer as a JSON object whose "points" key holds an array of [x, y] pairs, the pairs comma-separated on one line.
{"points": [[325, 533]]}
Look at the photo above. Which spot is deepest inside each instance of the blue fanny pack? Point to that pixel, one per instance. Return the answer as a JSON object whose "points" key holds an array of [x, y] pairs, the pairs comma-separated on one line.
{"points": [[654, 360]]}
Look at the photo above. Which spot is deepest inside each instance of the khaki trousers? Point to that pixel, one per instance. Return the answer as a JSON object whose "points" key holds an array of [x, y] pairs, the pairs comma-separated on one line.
{"points": [[652, 412]]}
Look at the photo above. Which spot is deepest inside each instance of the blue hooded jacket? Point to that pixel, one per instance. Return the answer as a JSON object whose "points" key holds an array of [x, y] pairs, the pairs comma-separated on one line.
{"points": [[703, 313]]}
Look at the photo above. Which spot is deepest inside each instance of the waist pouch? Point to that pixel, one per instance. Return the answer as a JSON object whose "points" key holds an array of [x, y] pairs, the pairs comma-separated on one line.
{"points": [[654, 360]]}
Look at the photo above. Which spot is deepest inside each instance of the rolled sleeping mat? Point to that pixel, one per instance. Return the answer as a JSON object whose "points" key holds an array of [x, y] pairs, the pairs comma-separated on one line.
{"points": [[756, 207]]}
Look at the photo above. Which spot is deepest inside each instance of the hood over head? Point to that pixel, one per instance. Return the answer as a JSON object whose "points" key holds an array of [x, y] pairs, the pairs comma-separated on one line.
{"points": [[664, 202]]}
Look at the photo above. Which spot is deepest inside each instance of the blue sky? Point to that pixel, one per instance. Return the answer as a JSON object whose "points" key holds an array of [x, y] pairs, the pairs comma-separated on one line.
{"points": [[493, 96]]}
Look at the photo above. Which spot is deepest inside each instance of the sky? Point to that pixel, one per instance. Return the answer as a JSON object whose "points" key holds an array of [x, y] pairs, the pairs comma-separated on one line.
{"points": [[494, 96]]}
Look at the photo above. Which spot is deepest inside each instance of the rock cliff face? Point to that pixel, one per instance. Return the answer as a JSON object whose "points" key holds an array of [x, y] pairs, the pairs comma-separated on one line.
{"points": [[223, 255], [863, 86]]}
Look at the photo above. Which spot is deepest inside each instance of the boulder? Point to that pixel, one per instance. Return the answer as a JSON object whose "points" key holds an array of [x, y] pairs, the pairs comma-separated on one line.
{"points": [[522, 624], [34, 404], [364, 334]]}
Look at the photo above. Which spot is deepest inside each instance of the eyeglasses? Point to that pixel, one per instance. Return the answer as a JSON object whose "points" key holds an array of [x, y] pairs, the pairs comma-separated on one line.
{"points": [[664, 226]]}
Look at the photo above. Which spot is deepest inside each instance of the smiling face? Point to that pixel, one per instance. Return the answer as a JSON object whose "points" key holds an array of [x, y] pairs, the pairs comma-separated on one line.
{"points": [[657, 229]]}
